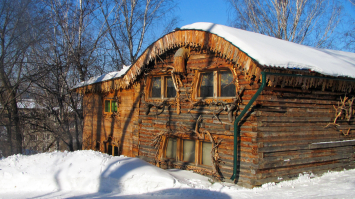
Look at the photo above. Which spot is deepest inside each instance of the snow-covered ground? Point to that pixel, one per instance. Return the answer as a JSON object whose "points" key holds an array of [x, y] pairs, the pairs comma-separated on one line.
{"points": [[90, 174]]}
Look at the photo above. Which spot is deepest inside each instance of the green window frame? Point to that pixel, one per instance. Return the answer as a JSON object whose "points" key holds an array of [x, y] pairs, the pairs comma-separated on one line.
{"points": [[110, 106]]}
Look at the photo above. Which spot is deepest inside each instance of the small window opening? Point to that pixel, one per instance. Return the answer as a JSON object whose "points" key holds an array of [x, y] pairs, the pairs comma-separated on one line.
{"points": [[115, 151], [227, 88], [113, 106], [156, 87], [189, 150], [206, 153], [206, 89], [109, 149], [171, 148], [110, 106], [170, 88]]}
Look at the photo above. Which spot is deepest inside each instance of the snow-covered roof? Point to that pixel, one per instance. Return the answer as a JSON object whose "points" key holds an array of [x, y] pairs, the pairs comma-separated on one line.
{"points": [[273, 52], [28, 104], [104, 77], [267, 51]]}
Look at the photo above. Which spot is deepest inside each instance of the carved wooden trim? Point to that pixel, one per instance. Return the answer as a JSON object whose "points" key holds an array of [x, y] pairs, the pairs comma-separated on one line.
{"points": [[174, 40]]}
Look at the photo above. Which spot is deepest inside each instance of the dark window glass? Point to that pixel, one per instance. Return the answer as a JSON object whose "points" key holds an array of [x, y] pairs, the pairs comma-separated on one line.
{"points": [[170, 89], [189, 150], [97, 147], [107, 105], [114, 106], [227, 84], [206, 89], [115, 150], [156, 87], [109, 149], [171, 148]]}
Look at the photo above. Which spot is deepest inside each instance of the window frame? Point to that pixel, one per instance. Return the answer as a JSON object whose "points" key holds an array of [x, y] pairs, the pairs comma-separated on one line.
{"points": [[110, 149], [163, 87], [180, 150], [216, 84], [110, 109]]}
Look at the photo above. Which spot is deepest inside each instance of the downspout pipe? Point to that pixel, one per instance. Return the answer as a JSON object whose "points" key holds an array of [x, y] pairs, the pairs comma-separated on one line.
{"points": [[241, 115]]}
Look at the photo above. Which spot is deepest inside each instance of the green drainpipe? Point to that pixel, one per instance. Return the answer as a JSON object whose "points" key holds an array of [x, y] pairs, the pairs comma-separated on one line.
{"points": [[241, 115]]}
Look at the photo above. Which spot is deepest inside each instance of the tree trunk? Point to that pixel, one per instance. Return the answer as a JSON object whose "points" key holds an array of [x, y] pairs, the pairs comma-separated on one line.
{"points": [[17, 145]]}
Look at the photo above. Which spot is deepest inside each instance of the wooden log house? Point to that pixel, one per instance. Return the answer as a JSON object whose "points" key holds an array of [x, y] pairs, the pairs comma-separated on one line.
{"points": [[200, 99]]}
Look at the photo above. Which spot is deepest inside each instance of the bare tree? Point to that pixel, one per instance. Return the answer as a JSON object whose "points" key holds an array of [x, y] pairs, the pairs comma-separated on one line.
{"points": [[20, 23], [131, 25], [309, 22], [70, 54], [349, 29]]}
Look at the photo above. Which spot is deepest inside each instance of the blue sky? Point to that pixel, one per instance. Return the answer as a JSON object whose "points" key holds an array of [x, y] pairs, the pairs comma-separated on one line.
{"points": [[191, 11], [217, 11]]}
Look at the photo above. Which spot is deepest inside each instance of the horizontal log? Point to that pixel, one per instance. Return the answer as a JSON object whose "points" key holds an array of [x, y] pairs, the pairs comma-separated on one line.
{"points": [[332, 144]]}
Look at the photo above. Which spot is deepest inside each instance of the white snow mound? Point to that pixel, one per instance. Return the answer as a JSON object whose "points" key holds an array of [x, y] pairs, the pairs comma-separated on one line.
{"points": [[87, 171]]}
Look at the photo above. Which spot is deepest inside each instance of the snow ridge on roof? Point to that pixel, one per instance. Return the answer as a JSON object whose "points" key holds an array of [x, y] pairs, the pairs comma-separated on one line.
{"points": [[273, 52], [104, 77], [28, 104]]}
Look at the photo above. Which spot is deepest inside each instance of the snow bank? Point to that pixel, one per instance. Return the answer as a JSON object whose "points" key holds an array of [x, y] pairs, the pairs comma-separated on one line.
{"points": [[86, 171], [90, 174], [273, 52]]}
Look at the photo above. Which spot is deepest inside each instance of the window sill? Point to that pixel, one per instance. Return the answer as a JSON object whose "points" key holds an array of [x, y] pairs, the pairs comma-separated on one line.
{"points": [[211, 99]]}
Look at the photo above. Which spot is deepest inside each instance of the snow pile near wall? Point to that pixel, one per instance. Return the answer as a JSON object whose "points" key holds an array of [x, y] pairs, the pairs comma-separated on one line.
{"points": [[273, 52], [90, 174], [86, 171]]}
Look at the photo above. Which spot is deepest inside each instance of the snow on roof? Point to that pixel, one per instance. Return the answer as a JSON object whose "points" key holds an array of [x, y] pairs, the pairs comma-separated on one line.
{"points": [[267, 51], [273, 52], [104, 77], [28, 104]]}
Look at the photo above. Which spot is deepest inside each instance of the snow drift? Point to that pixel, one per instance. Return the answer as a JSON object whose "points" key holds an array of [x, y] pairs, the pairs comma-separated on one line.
{"points": [[88, 171], [90, 174]]}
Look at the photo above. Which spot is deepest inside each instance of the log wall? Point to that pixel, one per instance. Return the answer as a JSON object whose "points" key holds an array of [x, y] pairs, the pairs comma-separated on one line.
{"points": [[151, 125], [292, 135], [121, 127]]}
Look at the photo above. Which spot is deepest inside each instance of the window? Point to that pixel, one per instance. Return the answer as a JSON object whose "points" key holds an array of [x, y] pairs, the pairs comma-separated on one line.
{"points": [[109, 149], [189, 150], [171, 148], [112, 149], [206, 153], [162, 87], [216, 84], [227, 86], [110, 106], [206, 85], [193, 151]]}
